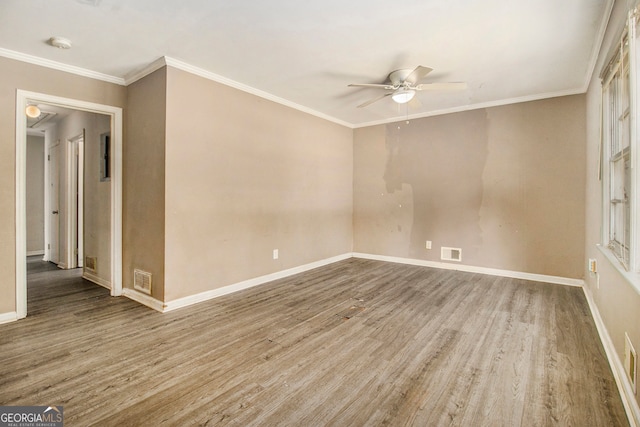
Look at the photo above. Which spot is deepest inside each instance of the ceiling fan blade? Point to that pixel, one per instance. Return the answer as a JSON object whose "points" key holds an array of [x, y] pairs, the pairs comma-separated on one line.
{"points": [[418, 74], [441, 86], [415, 103], [371, 101], [372, 85]]}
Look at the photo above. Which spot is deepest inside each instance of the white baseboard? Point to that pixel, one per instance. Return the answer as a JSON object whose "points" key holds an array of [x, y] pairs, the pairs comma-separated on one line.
{"points": [[8, 317], [33, 253], [473, 269], [624, 385], [87, 275], [144, 299], [214, 293]]}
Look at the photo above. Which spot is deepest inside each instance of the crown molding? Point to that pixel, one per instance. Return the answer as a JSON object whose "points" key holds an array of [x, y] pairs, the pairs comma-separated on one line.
{"points": [[156, 65], [191, 69], [175, 63], [19, 56], [597, 46], [143, 72], [245, 88], [469, 107]]}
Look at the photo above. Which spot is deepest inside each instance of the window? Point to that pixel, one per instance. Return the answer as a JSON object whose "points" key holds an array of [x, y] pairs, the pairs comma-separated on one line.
{"points": [[616, 105], [619, 154]]}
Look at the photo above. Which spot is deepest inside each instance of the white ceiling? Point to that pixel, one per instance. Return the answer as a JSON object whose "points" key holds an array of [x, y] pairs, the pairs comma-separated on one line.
{"points": [[307, 52]]}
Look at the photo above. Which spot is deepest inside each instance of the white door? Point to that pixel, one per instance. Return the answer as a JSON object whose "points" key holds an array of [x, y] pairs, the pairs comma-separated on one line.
{"points": [[54, 208]]}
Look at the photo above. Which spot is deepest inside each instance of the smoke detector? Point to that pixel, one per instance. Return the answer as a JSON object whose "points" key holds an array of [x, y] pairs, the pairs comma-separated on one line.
{"points": [[60, 42]]}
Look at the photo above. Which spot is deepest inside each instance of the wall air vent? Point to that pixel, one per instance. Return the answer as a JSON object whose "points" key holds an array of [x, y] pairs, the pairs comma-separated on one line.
{"points": [[142, 281], [450, 254], [90, 263], [630, 361]]}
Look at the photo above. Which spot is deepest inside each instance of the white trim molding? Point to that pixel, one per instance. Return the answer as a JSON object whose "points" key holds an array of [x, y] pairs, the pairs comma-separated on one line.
{"points": [[246, 284], [21, 207], [136, 75], [144, 299], [471, 107], [95, 279], [145, 71], [597, 46], [473, 269], [22, 99], [245, 88], [11, 316], [180, 65], [19, 56], [34, 253], [617, 368], [632, 277]]}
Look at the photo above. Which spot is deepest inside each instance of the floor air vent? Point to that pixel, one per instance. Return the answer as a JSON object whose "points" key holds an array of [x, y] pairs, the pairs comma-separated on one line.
{"points": [[142, 281], [450, 254]]}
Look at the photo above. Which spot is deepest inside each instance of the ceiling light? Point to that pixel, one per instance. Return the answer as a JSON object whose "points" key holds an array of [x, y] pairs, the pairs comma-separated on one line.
{"points": [[60, 42], [32, 111], [402, 96]]}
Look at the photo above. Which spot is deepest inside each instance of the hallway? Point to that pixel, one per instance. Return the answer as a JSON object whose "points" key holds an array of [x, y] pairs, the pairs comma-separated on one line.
{"points": [[48, 287]]}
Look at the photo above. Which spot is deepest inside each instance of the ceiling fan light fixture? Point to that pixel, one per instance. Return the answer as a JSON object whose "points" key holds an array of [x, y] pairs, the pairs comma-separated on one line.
{"points": [[32, 111], [402, 96]]}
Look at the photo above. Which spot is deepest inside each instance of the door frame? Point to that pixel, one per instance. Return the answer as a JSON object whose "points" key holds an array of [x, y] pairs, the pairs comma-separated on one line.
{"points": [[75, 204], [23, 98]]}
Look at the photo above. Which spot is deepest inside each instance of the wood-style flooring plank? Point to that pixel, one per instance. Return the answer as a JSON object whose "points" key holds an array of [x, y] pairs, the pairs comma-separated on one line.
{"points": [[356, 343]]}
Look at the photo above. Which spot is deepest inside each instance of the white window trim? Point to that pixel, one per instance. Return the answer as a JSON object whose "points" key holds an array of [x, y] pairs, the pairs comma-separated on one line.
{"points": [[634, 255], [632, 273], [633, 278]]}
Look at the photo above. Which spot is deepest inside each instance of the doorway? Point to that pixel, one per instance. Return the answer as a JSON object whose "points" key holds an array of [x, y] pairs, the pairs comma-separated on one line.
{"points": [[23, 99]]}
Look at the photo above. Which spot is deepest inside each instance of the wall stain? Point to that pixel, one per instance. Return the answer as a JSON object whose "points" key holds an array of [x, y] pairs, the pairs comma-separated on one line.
{"points": [[439, 162]]}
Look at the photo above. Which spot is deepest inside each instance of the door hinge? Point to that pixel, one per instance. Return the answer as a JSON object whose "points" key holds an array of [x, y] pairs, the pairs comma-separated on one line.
{"points": [[49, 157]]}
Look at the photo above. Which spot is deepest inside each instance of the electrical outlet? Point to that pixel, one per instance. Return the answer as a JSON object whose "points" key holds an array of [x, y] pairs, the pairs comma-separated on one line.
{"points": [[275, 254], [593, 265], [428, 244]]}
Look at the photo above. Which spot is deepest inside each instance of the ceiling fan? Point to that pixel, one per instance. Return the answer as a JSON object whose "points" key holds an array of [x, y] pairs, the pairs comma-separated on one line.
{"points": [[403, 85]]}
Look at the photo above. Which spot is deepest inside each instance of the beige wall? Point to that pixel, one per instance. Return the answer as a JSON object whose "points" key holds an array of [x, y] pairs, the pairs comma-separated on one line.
{"points": [[617, 301], [97, 197], [19, 75], [35, 194], [144, 181], [504, 184], [245, 176]]}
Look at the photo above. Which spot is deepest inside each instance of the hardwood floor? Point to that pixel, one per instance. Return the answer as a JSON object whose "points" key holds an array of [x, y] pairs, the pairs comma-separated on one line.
{"points": [[355, 343]]}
